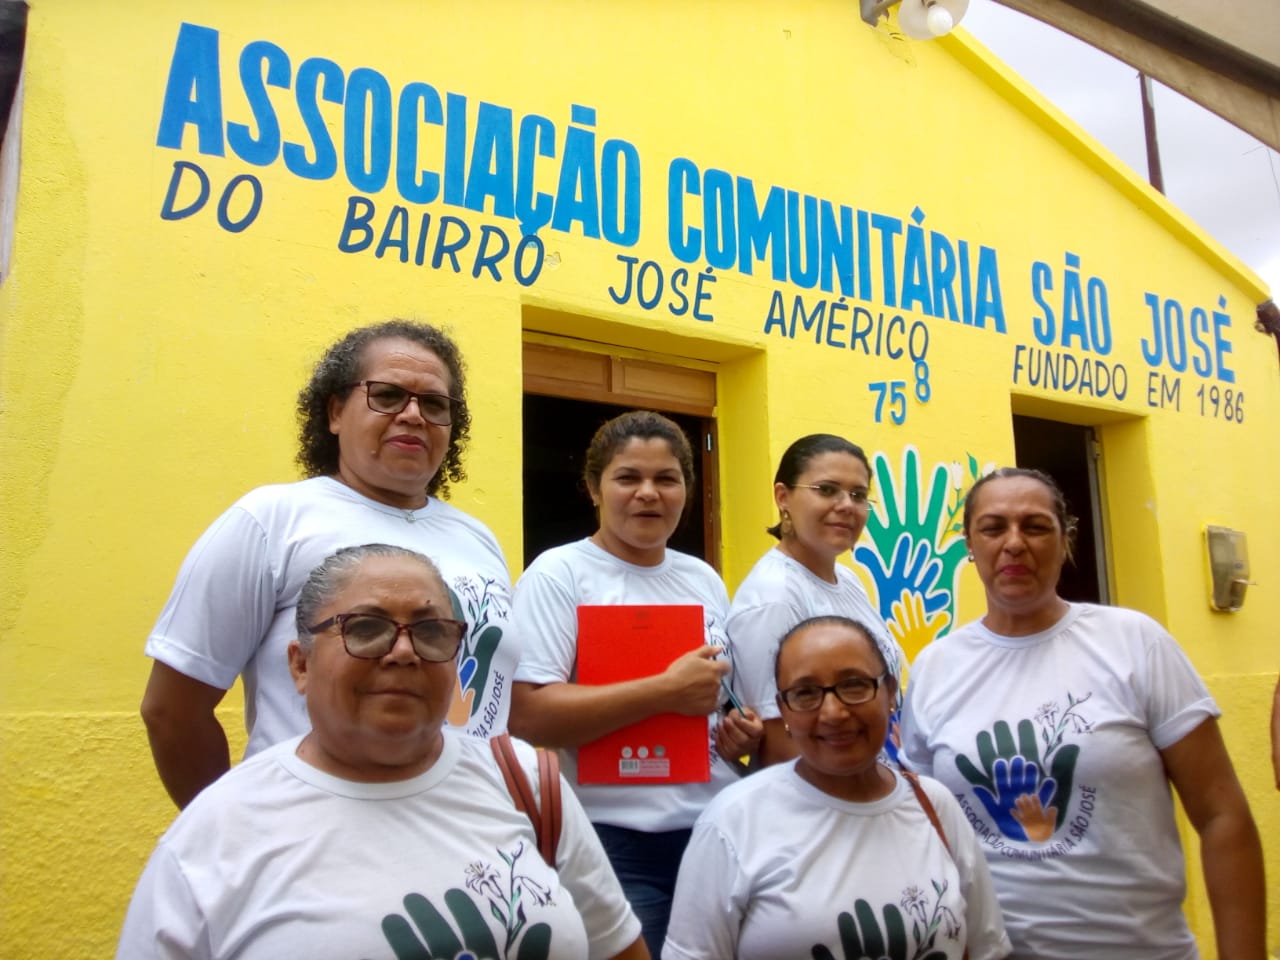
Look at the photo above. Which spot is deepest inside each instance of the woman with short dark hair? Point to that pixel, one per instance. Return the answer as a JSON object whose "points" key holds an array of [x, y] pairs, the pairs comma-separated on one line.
{"points": [[834, 854], [638, 472], [380, 832], [822, 490], [1061, 727]]}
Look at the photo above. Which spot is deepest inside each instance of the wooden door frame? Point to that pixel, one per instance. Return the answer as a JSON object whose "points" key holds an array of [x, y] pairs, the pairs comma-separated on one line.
{"points": [[598, 377]]}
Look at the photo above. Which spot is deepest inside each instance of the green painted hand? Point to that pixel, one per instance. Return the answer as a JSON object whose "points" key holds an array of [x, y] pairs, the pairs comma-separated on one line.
{"points": [[443, 943]]}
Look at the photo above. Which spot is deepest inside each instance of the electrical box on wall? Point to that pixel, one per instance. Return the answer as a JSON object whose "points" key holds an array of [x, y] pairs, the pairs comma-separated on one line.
{"points": [[1228, 567]]}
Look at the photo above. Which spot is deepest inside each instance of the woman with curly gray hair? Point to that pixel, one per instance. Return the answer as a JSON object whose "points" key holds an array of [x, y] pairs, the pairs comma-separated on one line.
{"points": [[383, 423]]}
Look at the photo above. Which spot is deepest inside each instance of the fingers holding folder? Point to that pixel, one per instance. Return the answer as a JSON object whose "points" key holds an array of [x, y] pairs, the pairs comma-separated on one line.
{"points": [[693, 681]]}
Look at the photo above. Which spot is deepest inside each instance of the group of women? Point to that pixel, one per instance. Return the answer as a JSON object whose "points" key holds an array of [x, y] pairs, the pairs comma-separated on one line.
{"points": [[366, 823]]}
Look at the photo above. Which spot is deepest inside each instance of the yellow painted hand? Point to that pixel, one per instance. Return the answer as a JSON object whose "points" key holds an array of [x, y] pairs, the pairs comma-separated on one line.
{"points": [[911, 627]]}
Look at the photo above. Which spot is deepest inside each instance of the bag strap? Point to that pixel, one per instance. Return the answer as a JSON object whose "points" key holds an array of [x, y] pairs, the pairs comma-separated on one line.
{"points": [[549, 789], [927, 805], [545, 820]]}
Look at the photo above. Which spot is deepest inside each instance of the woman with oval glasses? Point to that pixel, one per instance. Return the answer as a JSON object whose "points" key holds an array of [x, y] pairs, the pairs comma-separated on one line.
{"points": [[834, 854], [316, 847], [638, 471], [1060, 727], [821, 489], [383, 423]]}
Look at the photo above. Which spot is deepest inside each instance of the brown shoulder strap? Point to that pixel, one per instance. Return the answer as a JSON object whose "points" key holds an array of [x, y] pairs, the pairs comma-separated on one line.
{"points": [[549, 789], [546, 821], [927, 805]]}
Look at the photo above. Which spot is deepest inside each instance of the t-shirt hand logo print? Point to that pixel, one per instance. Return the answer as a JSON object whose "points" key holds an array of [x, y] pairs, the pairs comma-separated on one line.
{"points": [[1027, 793]]}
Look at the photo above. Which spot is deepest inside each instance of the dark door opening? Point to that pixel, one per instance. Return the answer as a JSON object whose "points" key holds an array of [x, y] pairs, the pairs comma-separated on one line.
{"points": [[1067, 453], [557, 508]]}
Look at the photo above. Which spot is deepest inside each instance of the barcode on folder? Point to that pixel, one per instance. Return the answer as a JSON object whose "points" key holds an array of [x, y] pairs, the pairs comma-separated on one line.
{"points": [[645, 767]]}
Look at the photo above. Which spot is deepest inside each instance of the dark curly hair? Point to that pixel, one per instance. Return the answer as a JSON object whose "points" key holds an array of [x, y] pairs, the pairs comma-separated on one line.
{"points": [[341, 366]]}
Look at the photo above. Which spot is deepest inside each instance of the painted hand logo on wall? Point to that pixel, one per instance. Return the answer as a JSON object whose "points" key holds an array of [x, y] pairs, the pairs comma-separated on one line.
{"points": [[917, 546], [427, 935], [477, 603], [1026, 792]]}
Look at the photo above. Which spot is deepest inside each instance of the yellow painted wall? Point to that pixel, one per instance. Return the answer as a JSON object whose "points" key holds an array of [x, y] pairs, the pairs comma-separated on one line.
{"points": [[149, 365]]}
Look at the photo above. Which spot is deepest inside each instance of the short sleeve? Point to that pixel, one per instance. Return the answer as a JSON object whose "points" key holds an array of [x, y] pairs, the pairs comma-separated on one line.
{"points": [[710, 899], [914, 751], [1175, 698], [754, 632], [164, 921], [544, 614], [222, 604], [986, 936]]}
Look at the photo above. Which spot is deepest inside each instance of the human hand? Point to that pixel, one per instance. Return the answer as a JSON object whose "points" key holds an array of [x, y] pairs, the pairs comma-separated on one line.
{"points": [[442, 943], [862, 939], [692, 682], [738, 734]]}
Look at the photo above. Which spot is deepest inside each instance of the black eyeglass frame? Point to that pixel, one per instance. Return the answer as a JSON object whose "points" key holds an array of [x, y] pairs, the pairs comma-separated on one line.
{"points": [[341, 619], [408, 395], [784, 696], [856, 497]]}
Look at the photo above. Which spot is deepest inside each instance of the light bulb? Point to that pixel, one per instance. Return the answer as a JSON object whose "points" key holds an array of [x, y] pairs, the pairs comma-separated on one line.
{"points": [[939, 19]]}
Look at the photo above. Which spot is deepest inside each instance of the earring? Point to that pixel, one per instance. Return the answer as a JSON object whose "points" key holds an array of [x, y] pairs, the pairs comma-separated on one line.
{"points": [[787, 527], [786, 727], [972, 558]]}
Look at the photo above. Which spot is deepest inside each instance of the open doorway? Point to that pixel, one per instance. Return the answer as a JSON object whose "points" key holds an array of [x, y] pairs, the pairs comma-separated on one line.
{"points": [[568, 394], [1069, 454], [557, 509]]}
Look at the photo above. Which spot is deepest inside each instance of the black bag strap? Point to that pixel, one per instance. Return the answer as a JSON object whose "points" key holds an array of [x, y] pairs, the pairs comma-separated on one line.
{"points": [[545, 820]]}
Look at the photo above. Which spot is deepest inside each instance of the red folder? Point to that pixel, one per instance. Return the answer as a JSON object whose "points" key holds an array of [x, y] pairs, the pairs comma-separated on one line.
{"points": [[625, 642]]}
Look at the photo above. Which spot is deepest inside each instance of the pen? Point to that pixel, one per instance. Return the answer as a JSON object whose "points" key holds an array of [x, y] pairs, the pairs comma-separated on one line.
{"points": [[733, 701]]}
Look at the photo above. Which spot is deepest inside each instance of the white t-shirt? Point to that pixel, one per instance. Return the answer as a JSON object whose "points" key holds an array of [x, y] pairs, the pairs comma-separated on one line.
{"points": [[1075, 715], [777, 869], [778, 593], [233, 605], [278, 859], [545, 613]]}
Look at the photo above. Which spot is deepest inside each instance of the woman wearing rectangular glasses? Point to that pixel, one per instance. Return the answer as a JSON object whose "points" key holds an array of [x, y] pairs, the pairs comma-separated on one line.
{"points": [[383, 423], [834, 855], [379, 832], [821, 491]]}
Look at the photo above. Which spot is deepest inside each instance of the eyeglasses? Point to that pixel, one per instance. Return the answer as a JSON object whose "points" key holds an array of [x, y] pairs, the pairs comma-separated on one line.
{"points": [[807, 697], [370, 636], [390, 399], [833, 491]]}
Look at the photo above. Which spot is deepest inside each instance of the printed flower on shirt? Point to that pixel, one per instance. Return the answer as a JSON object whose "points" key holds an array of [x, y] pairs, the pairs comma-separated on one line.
{"points": [[1026, 786], [426, 933]]}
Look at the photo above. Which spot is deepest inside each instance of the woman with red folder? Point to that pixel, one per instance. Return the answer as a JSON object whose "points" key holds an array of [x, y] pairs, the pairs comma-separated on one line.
{"points": [[638, 471]]}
